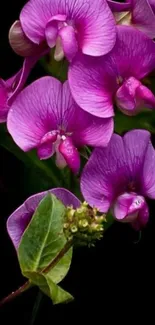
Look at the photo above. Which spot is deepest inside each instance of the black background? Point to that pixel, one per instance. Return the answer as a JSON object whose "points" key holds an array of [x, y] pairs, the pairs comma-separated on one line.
{"points": [[111, 283]]}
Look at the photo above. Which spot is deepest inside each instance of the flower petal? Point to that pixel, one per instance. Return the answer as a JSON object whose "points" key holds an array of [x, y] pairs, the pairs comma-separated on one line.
{"points": [[33, 113], [93, 22], [119, 6], [51, 31], [84, 128], [19, 219], [148, 173], [3, 101], [127, 207], [93, 83], [142, 219], [105, 174], [19, 42], [136, 143], [132, 97], [143, 17], [45, 150], [69, 42], [70, 154]]}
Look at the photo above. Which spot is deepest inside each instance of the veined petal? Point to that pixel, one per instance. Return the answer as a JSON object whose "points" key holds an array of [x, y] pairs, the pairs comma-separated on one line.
{"points": [[152, 4], [93, 22], [143, 17], [34, 112], [105, 174], [136, 143], [93, 82], [70, 154], [148, 173], [84, 128], [19, 219]]}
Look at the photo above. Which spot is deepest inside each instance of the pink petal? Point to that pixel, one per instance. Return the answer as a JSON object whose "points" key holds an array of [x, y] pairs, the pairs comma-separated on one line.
{"points": [[45, 150], [69, 42], [143, 17], [142, 219], [93, 83], [84, 128], [127, 207], [136, 143], [148, 173], [32, 114], [105, 174], [51, 31], [3, 101], [70, 153]]}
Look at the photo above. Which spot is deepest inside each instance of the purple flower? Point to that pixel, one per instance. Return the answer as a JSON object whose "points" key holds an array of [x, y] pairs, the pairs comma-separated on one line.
{"points": [[45, 116], [19, 219], [70, 25], [99, 83], [10, 88], [120, 176], [140, 14]]}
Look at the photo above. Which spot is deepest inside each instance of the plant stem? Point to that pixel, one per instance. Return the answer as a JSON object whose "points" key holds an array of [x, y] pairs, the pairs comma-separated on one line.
{"points": [[36, 307], [16, 293], [27, 284], [63, 251]]}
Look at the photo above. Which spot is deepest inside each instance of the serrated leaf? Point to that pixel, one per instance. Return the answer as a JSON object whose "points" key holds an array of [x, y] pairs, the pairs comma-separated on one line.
{"points": [[43, 240]]}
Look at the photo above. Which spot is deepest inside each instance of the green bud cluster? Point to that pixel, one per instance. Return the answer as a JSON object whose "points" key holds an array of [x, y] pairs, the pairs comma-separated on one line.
{"points": [[84, 225]]}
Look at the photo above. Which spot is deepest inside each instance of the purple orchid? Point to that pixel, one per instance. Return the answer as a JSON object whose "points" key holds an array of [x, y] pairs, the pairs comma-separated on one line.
{"points": [[70, 25], [139, 13], [45, 116], [120, 176], [99, 83], [19, 219]]}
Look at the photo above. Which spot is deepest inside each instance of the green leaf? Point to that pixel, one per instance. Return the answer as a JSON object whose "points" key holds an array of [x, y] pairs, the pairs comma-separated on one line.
{"points": [[43, 240], [51, 289]]}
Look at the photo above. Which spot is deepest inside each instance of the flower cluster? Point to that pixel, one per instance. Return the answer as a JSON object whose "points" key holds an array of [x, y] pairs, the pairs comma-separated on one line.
{"points": [[110, 51]]}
